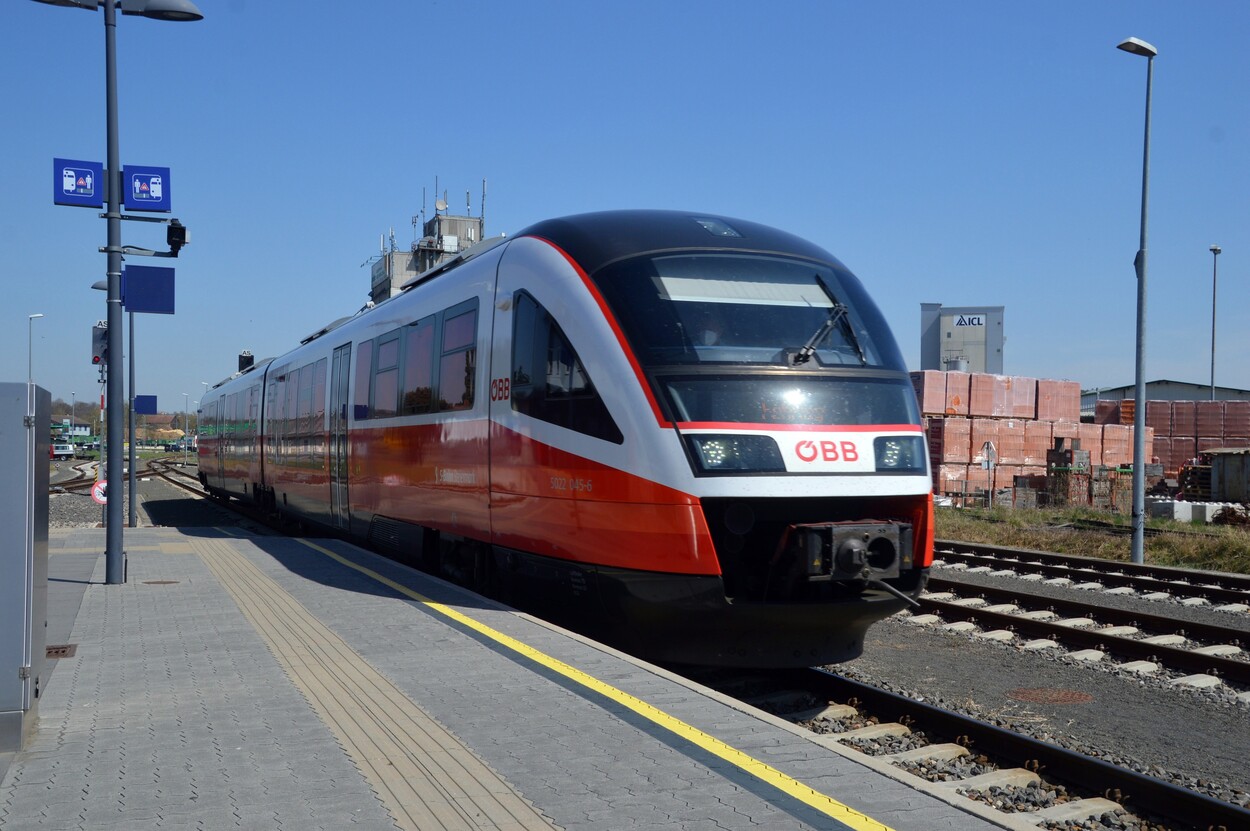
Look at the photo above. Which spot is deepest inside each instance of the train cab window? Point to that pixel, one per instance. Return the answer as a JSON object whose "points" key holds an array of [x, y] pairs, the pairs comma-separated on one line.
{"points": [[386, 377], [549, 381], [418, 394], [364, 372], [457, 369], [696, 309]]}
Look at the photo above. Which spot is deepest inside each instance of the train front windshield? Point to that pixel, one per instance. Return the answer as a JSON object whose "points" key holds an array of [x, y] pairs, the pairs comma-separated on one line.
{"points": [[733, 337]]}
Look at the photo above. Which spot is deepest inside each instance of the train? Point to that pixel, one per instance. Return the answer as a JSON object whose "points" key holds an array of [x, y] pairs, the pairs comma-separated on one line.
{"points": [[691, 436]]}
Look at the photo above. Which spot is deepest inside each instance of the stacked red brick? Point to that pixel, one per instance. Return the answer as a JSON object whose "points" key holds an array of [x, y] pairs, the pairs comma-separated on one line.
{"points": [[1184, 429], [1021, 416]]}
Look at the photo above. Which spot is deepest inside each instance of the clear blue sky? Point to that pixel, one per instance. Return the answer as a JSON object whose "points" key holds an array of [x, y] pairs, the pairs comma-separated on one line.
{"points": [[964, 153]]}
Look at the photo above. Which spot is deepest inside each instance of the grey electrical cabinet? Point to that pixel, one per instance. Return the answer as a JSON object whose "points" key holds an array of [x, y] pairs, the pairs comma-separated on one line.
{"points": [[25, 435]]}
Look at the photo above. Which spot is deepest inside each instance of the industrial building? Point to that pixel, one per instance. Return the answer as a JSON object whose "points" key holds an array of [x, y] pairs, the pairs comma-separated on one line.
{"points": [[961, 338], [443, 236], [1161, 391]]}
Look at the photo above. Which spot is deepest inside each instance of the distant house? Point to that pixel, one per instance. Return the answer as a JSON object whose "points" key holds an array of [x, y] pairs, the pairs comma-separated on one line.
{"points": [[158, 427], [160, 421], [80, 429], [75, 431]]}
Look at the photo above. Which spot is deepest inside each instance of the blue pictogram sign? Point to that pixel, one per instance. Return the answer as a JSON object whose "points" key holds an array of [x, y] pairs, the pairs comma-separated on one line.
{"points": [[77, 183], [146, 188]]}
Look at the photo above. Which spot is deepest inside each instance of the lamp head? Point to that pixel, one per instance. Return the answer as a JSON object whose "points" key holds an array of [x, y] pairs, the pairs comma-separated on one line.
{"points": [[1137, 47], [176, 10], [1215, 249]]}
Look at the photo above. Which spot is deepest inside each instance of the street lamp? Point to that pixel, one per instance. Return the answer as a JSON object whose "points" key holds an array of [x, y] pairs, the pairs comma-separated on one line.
{"points": [[1140, 47], [114, 555], [1215, 254], [185, 424], [30, 349]]}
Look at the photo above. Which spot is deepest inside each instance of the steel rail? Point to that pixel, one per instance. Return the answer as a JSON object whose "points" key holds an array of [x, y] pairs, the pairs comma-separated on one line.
{"points": [[1227, 588], [1160, 624], [1228, 669]]}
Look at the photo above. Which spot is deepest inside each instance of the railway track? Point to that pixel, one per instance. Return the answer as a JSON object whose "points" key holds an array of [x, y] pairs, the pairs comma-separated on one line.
{"points": [[1213, 654], [83, 479], [1032, 780], [177, 475]]}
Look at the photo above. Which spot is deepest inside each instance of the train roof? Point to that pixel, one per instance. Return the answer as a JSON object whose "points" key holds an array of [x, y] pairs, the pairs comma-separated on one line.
{"points": [[597, 239]]}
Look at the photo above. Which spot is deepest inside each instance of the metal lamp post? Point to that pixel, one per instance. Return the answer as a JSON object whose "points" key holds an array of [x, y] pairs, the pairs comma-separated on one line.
{"points": [[178, 10], [133, 518], [1140, 47], [1215, 255], [30, 347]]}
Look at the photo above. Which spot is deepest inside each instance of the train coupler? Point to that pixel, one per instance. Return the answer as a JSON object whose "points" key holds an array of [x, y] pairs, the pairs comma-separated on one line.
{"points": [[850, 551]]}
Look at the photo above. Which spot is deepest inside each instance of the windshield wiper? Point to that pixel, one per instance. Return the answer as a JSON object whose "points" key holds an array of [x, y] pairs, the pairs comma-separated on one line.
{"points": [[838, 314]]}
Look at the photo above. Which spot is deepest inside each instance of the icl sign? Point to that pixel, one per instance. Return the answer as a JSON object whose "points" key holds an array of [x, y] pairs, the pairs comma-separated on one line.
{"points": [[970, 320]]}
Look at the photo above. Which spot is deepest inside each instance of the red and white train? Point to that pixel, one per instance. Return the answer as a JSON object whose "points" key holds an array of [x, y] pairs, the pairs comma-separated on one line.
{"points": [[693, 436]]}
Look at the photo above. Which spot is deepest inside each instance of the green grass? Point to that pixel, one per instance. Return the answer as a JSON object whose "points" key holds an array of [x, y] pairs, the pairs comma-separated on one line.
{"points": [[1211, 547]]}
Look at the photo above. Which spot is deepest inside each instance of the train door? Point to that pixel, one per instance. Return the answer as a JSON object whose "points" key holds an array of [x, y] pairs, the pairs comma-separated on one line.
{"points": [[210, 426], [340, 372]]}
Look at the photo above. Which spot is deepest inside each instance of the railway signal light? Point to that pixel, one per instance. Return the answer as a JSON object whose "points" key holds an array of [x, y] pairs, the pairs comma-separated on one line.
{"points": [[176, 236], [100, 345]]}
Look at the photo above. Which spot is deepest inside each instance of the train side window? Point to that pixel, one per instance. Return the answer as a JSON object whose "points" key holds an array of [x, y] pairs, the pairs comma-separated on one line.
{"points": [[457, 369], [386, 376], [319, 397], [275, 411], [364, 372], [549, 381], [291, 422], [253, 407], [418, 395], [304, 413]]}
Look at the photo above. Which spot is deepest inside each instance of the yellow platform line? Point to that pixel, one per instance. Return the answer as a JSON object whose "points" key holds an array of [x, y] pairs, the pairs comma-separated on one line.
{"points": [[424, 777], [805, 794]]}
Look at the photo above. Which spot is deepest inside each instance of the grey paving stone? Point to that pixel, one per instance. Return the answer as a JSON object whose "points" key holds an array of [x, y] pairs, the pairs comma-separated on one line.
{"points": [[192, 718]]}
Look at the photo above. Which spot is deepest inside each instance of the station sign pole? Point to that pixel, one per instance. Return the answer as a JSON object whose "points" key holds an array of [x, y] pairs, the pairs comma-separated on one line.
{"points": [[114, 553]]}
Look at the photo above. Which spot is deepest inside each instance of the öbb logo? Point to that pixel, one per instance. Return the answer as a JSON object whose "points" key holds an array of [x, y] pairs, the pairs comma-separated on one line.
{"points": [[829, 451]]}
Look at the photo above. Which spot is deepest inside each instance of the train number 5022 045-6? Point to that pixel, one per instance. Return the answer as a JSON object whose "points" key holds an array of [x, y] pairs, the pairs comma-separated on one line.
{"points": [[564, 484]]}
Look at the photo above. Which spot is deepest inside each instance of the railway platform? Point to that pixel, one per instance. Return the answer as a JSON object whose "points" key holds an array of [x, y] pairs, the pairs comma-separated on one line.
{"points": [[256, 682]]}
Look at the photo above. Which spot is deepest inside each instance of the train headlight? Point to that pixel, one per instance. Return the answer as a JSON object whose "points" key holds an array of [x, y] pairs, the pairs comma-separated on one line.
{"points": [[736, 454], [899, 454]]}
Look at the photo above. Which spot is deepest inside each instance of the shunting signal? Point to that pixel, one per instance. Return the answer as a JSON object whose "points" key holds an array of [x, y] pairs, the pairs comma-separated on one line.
{"points": [[100, 344]]}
